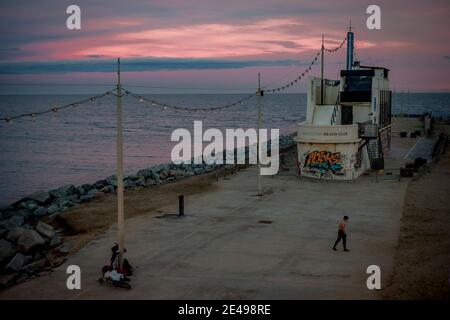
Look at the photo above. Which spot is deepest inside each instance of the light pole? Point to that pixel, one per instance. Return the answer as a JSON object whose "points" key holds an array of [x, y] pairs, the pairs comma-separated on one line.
{"points": [[120, 209]]}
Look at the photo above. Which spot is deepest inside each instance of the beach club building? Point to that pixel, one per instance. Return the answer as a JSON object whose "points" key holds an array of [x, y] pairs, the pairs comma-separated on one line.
{"points": [[348, 122]]}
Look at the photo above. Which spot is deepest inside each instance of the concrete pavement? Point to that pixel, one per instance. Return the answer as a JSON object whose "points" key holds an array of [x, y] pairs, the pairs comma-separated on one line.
{"points": [[220, 250]]}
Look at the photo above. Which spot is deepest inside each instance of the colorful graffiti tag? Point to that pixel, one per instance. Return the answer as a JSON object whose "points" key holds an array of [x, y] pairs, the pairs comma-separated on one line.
{"points": [[324, 161]]}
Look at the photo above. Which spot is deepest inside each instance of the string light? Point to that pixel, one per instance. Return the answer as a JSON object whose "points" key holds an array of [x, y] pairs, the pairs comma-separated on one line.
{"points": [[51, 110], [166, 106]]}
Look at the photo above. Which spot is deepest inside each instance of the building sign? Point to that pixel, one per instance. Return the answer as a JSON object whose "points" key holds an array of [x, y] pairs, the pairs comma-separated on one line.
{"points": [[332, 133]]}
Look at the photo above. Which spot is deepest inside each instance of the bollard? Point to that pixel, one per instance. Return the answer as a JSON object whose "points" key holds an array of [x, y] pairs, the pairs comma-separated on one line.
{"points": [[181, 205]]}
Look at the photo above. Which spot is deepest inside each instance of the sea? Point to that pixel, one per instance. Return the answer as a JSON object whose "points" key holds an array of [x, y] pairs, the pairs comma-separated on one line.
{"points": [[77, 145]]}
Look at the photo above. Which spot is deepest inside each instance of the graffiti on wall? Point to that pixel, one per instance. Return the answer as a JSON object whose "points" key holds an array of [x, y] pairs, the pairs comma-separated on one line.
{"points": [[323, 162]]}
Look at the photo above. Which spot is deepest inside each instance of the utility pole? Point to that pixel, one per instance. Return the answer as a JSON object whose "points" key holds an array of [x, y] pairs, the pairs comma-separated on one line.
{"points": [[120, 209], [259, 151], [321, 75]]}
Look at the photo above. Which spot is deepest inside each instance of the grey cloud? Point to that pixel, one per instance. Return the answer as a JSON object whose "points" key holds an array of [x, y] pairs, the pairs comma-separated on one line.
{"points": [[150, 64]]}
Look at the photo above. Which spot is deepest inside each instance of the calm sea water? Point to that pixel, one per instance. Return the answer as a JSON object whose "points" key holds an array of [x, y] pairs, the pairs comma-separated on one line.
{"points": [[78, 145]]}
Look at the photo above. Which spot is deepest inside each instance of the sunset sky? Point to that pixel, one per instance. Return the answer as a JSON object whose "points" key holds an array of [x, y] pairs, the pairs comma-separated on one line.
{"points": [[216, 46]]}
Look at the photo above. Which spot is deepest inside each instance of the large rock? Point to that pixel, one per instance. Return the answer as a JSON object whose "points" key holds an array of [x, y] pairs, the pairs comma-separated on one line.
{"points": [[163, 174], [40, 212], [53, 209], [14, 221], [146, 173], [29, 205], [56, 240], [68, 189], [6, 250], [66, 247], [112, 180], [140, 181], [16, 263], [15, 233], [64, 191], [128, 184], [177, 173], [29, 240], [40, 197], [100, 184], [86, 187], [8, 212], [45, 229]]}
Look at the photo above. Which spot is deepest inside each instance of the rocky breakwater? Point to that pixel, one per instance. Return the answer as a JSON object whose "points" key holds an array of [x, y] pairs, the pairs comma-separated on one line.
{"points": [[30, 240]]}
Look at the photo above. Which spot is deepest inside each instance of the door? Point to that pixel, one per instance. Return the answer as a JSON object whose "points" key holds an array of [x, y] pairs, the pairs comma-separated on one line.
{"points": [[347, 115]]}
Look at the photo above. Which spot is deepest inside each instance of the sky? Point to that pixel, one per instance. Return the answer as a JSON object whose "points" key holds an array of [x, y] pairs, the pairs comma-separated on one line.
{"points": [[209, 46]]}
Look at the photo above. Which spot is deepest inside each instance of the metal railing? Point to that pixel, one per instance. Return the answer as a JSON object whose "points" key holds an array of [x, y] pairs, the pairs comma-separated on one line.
{"points": [[367, 130], [335, 111]]}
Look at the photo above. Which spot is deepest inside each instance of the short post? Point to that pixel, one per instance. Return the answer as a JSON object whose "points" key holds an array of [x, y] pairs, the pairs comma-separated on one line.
{"points": [[181, 205]]}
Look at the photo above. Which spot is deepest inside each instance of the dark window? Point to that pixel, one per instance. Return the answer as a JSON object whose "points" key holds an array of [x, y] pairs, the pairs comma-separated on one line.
{"points": [[347, 115], [358, 84]]}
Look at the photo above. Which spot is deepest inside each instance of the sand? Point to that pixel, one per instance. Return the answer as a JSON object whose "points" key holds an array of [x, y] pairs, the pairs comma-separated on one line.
{"points": [[422, 260]]}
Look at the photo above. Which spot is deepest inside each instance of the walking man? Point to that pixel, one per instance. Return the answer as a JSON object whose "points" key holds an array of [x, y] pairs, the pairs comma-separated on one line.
{"points": [[342, 234]]}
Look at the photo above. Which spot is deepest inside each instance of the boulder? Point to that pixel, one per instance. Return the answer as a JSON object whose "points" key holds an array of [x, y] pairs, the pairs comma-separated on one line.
{"points": [[160, 167], [56, 240], [40, 212], [86, 197], [73, 198], [68, 190], [129, 184], [29, 240], [28, 205], [56, 193], [100, 184], [86, 187], [8, 212], [132, 177], [146, 173], [6, 250], [80, 190], [66, 247], [53, 209], [15, 233], [112, 180], [17, 262], [140, 181], [150, 182], [14, 221], [176, 173], [45, 229], [163, 174], [92, 192], [40, 197], [198, 171]]}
